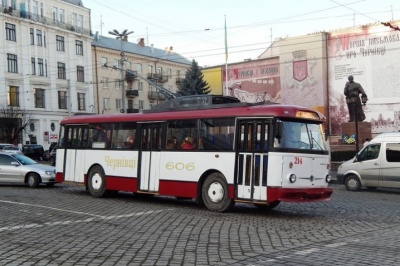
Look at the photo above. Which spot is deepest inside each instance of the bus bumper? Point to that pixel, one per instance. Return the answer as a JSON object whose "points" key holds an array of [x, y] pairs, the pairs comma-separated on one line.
{"points": [[299, 194]]}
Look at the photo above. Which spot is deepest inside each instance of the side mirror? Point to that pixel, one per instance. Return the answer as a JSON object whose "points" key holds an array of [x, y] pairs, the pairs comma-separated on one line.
{"points": [[15, 163]]}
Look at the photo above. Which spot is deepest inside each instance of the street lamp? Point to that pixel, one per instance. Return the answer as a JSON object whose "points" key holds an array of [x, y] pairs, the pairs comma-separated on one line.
{"points": [[123, 36], [354, 101]]}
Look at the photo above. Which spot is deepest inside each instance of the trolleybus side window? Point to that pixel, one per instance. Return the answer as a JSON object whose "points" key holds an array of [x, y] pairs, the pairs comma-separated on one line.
{"points": [[124, 136], [100, 135], [183, 132], [217, 133]]}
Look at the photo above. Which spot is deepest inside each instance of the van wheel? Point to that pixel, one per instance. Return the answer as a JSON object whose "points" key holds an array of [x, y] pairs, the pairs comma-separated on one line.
{"points": [[215, 193], [97, 182], [352, 183]]}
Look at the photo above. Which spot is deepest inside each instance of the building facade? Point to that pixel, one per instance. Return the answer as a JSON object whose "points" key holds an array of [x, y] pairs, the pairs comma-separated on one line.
{"points": [[135, 73], [312, 71], [47, 63]]}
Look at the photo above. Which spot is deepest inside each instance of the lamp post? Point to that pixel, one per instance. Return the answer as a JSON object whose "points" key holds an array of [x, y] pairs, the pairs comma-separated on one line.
{"points": [[122, 36], [354, 102]]}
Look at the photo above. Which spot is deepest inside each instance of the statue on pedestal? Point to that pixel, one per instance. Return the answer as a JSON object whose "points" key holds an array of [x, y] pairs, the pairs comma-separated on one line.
{"points": [[352, 90]]}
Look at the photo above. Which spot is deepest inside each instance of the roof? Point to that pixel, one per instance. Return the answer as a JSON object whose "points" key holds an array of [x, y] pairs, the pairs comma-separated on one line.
{"points": [[133, 48], [74, 2]]}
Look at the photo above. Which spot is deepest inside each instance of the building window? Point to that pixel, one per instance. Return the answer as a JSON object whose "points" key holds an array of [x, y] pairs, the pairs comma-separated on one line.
{"points": [[60, 43], [39, 98], [140, 85], [178, 73], [45, 67], [13, 96], [139, 68], [32, 36], [61, 71], [44, 39], [116, 84], [106, 102], [39, 37], [118, 103], [80, 71], [40, 67], [127, 65], [33, 66], [79, 47], [104, 81], [62, 15], [81, 101], [170, 73], [62, 100], [12, 63], [10, 32], [150, 69], [141, 105], [103, 62], [55, 12], [116, 63]]}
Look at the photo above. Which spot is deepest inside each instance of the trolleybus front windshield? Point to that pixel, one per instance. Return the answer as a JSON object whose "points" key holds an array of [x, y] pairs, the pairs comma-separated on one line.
{"points": [[300, 135]]}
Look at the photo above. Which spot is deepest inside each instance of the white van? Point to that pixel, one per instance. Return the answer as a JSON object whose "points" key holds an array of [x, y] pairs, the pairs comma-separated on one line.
{"points": [[376, 165]]}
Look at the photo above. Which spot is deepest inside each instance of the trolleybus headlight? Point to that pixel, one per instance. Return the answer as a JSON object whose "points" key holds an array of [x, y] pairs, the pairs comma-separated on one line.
{"points": [[292, 178], [328, 178]]}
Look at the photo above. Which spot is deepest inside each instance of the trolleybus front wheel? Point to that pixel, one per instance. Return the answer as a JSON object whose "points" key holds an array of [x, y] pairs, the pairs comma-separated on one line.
{"points": [[97, 182], [215, 193]]}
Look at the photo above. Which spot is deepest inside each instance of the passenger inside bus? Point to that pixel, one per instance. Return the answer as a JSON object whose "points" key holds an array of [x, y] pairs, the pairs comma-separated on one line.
{"points": [[129, 143], [187, 144]]}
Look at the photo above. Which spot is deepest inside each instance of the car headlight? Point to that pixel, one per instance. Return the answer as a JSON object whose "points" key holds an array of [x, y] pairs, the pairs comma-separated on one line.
{"points": [[49, 172]]}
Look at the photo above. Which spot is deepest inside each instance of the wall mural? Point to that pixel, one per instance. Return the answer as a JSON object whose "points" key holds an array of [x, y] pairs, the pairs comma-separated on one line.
{"points": [[371, 55]]}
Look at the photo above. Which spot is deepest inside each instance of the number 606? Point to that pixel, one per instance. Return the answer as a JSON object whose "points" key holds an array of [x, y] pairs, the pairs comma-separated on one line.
{"points": [[180, 166]]}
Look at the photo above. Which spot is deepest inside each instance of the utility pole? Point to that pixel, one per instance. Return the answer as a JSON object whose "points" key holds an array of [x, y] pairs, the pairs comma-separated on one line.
{"points": [[123, 36]]}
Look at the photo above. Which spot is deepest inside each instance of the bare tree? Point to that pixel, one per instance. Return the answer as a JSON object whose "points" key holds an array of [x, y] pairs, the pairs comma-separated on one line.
{"points": [[13, 121]]}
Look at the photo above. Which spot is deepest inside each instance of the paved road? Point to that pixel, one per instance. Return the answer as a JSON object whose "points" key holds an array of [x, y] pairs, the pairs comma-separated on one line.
{"points": [[65, 226]]}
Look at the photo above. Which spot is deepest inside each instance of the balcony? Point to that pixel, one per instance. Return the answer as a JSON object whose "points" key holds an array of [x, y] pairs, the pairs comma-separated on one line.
{"points": [[130, 75], [132, 93], [155, 95], [132, 110], [178, 81], [157, 77]]}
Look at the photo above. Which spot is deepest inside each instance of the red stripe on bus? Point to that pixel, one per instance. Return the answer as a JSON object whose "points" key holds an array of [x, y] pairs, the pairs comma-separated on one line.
{"points": [[298, 194]]}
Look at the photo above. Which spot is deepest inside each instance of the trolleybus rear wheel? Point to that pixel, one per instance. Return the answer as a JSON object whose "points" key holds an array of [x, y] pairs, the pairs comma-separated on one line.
{"points": [[215, 193], [97, 182]]}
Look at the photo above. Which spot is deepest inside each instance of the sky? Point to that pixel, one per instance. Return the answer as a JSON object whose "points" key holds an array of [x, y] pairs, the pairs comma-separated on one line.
{"points": [[196, 29]]}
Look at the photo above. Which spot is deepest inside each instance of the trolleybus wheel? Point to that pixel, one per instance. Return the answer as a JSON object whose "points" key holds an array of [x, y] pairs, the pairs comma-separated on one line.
{"points": [[97, 182], [352, 183], [215, 193], [33, 180], [268, 206]]}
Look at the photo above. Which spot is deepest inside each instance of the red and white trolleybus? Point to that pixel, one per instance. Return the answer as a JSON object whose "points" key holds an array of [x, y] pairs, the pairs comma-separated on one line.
{"points": [[219, 154]]}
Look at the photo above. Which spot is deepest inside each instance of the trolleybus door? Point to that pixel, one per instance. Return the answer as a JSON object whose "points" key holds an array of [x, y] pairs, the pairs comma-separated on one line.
{"points": [[252, 159], [75, 153], [149, 157]]}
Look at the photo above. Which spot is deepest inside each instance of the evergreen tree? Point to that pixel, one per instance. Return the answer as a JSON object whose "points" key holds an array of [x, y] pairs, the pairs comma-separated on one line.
{"points": [[193, 83]]}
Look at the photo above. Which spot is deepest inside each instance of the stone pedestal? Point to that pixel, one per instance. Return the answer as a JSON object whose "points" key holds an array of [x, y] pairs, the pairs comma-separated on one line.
{"points": [[364, 131]]}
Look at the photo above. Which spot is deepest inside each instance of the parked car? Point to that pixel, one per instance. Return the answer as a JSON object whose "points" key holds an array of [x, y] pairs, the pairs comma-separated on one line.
{"points": [[34, 151], [53, 156], [2, 145], [11, 149], [376, 165], [17, 168]]}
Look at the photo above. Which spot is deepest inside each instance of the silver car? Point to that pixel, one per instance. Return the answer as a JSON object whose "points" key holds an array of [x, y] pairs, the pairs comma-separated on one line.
{"points": [[11, 149], [17, 168]]}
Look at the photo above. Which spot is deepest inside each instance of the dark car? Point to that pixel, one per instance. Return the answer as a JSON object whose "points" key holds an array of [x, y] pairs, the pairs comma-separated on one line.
{"points": [[34, 151]]}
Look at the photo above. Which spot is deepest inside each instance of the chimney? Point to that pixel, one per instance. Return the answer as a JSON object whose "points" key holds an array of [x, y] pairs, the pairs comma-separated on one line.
{"points": [[97, 36], [152, 48], [141, 42], [125, 38]]}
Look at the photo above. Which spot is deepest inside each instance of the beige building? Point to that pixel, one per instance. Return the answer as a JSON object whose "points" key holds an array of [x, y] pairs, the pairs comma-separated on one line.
{"points": [[145, 72], [46, 64]]}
